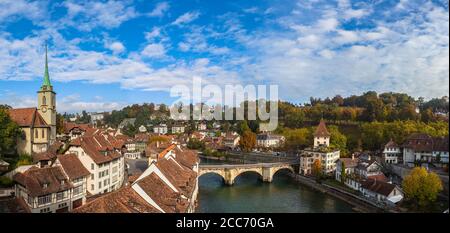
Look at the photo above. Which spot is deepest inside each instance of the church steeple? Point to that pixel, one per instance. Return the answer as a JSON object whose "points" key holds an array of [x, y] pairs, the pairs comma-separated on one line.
{"points": [[46, 75], [47, 101]]}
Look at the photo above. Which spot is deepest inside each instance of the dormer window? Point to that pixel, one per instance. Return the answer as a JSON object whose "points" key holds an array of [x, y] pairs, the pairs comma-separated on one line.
{"points": [[44, 185], [62, 182]]}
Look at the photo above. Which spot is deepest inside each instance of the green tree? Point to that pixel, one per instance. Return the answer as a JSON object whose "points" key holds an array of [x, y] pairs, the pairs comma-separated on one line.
{"points": [[9, 133], [195, 144], [343, 174], [338, 140], [422, 186], [130, 130]]}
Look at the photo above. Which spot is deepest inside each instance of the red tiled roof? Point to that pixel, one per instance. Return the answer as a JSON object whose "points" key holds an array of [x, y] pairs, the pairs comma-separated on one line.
{"points": [[96, 146], [124, 200], [377, 186], [379, 177], [349, 162], [72, 166], [419, 142], [166, 198], [321, 130], [35, 178], [14, 205], [391, 144], [27, 117], [441, 144]]}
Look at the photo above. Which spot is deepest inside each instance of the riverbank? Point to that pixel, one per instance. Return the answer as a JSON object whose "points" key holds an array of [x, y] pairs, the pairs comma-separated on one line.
{"points": [[360, 205]]}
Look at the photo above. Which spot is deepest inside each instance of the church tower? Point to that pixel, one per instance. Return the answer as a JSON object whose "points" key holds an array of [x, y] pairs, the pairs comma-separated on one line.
{"points": [[321, 135], [47, 102]]}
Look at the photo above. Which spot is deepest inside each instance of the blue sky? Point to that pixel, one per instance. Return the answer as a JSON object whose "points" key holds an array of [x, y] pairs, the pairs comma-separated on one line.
{"points": [[104, 55]]}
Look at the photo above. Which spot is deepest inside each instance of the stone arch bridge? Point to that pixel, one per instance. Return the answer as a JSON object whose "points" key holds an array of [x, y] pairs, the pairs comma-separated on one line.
{"points": [[229, 172]]}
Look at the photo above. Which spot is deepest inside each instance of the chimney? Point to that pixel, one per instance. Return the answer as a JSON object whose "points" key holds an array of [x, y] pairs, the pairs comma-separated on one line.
{"points": [[353, 156], [390, 180]]}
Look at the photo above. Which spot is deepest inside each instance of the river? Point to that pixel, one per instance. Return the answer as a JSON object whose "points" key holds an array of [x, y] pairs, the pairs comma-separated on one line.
{"points": [[250, 195]]}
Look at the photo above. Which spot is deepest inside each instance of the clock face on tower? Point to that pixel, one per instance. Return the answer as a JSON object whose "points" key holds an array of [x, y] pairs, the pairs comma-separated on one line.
{"points": [[44, 109]]}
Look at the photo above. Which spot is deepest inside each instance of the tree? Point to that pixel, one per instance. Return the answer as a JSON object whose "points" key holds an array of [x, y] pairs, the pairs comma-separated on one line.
{"points": [[316, 169], [243, 126], [130, 130], [338, 140], [157, 138], [248, 140], [421, 186], [9, 133], [195, 144], [59, 123], [343, 174]]}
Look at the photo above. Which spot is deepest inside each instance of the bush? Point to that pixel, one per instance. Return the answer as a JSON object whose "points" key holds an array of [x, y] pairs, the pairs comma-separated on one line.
{"points": [[6, 182], [24, 159]]}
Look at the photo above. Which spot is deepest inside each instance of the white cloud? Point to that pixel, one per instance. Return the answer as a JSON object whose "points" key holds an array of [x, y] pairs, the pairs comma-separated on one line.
{"points": [[186, 18], [21, 8], [88, 15], [116, 47], [154, 50], [159, 10], [251, 10]]}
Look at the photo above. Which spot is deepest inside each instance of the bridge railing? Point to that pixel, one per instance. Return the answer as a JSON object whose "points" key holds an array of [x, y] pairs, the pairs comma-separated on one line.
{"points": [[212, 166]]}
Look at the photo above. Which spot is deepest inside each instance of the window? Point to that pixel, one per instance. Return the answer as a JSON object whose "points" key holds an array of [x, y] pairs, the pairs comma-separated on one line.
{"points": [[92, 166], [45, 199], [77, 190], [44, 100], [45, 210], [43, 133], [30, 200], [105, 182], [92, 187], [99, 185], [36, 134], [60, 196], [92, 176], [62, 205]]}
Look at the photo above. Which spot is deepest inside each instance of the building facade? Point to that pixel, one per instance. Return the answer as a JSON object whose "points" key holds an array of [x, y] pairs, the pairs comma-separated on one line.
{"points": [[320, 151]]}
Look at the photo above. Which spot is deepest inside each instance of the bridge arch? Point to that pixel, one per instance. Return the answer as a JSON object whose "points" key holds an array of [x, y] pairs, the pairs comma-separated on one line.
{"points": [[217, 172], [243, 171], [284, 168]]}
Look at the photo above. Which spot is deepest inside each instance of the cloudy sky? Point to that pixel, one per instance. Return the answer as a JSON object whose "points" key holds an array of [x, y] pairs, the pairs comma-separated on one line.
{"points": [[104, 55]]}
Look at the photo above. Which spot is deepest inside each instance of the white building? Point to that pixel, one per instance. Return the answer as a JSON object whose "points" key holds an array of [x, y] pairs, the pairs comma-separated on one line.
{"points": [[201, 126], [160, 129], [142, 129], [391, 152], [104, 162], [176, 129], [321, 151], [381, 191], [424, 148], [231, 140], [95, 117], [55, 189], [266, 140]]}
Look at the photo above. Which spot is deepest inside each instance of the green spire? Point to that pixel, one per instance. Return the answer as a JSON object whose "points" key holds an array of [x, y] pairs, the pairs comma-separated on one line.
{"points": [[46, 75]]}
